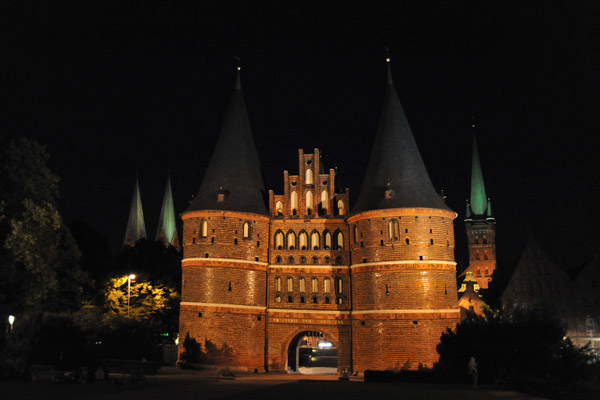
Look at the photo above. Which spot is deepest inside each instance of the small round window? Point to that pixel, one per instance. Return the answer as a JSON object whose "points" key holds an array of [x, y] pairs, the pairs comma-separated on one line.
{"points": [[308, 162], [293, 183], [324, 183]]}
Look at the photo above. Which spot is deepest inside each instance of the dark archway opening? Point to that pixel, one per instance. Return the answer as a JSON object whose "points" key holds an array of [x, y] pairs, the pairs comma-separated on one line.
{"points": [[312, 352]]}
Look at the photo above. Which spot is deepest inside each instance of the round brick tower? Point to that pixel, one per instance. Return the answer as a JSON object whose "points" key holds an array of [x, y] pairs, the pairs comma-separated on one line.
{"points": [[225, 251], [402, 245]]}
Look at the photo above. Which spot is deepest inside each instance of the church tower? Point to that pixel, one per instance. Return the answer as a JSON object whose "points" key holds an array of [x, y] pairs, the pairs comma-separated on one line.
{"points": [[136, 227], [225, 250], [167, 229], [402, 244], [481, 228]]}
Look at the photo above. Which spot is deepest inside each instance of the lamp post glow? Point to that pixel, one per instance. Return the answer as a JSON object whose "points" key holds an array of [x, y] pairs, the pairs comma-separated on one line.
{"points": [[11, 321], [129, 279]]}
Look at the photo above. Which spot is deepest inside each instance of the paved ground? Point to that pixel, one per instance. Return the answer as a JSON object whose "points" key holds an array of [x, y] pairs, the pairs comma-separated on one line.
{"points": [[174, 384]]}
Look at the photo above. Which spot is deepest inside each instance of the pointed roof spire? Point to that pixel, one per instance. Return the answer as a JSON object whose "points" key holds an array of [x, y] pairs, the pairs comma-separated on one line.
{"points": [[396, 176], [167, 228], [489, 209], [478, 196], [136, 227], [233, 179]]}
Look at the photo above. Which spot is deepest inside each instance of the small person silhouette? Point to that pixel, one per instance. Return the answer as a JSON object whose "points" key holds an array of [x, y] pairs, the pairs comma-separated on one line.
{"points": [[472, 368]]}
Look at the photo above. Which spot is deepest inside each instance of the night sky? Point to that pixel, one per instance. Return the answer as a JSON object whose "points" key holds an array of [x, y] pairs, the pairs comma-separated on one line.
{"points": [[115, 88]]}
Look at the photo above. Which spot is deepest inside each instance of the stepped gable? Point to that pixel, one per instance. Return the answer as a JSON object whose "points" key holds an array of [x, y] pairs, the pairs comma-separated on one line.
{"points": [[396, 176], [233, 179]]}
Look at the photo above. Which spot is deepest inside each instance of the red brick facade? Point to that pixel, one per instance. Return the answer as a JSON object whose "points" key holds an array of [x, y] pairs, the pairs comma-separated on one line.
{"points": [[481, 238], [379, 285]]}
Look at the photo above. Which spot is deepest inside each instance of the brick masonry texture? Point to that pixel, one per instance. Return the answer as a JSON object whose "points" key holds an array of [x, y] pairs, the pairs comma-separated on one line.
{"points": [[382, 295]]}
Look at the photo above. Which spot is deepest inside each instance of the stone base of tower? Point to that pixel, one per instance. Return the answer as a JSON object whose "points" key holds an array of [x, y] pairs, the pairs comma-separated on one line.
{"points": [[398, 342], [229, 338]]}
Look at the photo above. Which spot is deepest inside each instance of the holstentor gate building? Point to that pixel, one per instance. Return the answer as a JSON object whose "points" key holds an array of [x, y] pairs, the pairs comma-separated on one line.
{"points": [[377, 281]]}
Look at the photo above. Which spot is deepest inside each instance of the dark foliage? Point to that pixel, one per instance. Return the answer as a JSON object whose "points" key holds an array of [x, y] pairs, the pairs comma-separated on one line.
{"points": [[512, 348]]}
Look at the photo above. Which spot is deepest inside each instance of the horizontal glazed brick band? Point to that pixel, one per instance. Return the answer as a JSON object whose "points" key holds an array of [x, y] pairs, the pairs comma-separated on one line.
{"points": [[223, 262], [221, 308]]}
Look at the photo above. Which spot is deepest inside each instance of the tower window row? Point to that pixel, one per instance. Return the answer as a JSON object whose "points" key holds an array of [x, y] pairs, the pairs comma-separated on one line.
{"points": [[314, 285], [302, 241], [246, 229], [313, 206]]}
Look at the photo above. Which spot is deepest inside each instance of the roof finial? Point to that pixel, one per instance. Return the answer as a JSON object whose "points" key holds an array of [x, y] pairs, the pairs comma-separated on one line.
{"points": [[389, 65], [238, 82]]}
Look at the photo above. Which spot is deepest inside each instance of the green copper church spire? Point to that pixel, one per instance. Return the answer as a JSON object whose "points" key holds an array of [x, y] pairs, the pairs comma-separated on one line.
{"points": [[167, 230], [136, 227], [479, 200]]}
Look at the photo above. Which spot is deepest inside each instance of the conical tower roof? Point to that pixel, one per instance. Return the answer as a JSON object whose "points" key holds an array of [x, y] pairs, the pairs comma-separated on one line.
{"points": [[396, 176], [136, 227], [167, 228], [233, 180], [479, 200]]}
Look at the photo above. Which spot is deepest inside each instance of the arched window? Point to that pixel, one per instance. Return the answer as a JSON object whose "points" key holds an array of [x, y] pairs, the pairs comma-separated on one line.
{"points": [[290, 284], [355, 233], [279, 208], [315, 260], [294, 202], [278, 284], [291, 240], [327, 260], [309, 202], [339, 260], [290, 299], [314, 240], [431, 242], [290, 260], [477, 256], [340, 300], [302, 260], [278, 240], [203, 228], [326, 285], [309, 177], [278, 259], [278, 299], [327, 240], [247, 230], [339, 285], [339, 240], [324, 201], [315, 300], [340, 207], [303, 240], [314, 285], [302, 285], [327, 301], [393, 230], [407, 241], [302, 299]]}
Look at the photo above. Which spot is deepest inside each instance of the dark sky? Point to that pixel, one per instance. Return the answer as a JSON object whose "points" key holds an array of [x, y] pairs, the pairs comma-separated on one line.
{"points": [[114, 88]]}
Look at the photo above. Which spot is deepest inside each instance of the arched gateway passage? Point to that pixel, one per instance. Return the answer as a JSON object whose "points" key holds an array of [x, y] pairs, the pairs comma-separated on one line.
{"points": [[312, 352]]}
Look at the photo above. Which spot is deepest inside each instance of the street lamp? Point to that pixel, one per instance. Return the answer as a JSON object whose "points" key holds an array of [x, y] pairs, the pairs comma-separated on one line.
{"points": [[129, 279], [11, 321]]}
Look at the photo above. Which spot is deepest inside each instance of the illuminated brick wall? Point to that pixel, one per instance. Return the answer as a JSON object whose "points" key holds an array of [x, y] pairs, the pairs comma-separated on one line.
{"points": [[481, 237], [382, 295]]}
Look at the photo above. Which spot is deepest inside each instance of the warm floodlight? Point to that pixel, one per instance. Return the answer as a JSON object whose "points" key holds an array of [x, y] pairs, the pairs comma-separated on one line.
{"points": [[129, 279], [11, 321], [325, 345]]}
